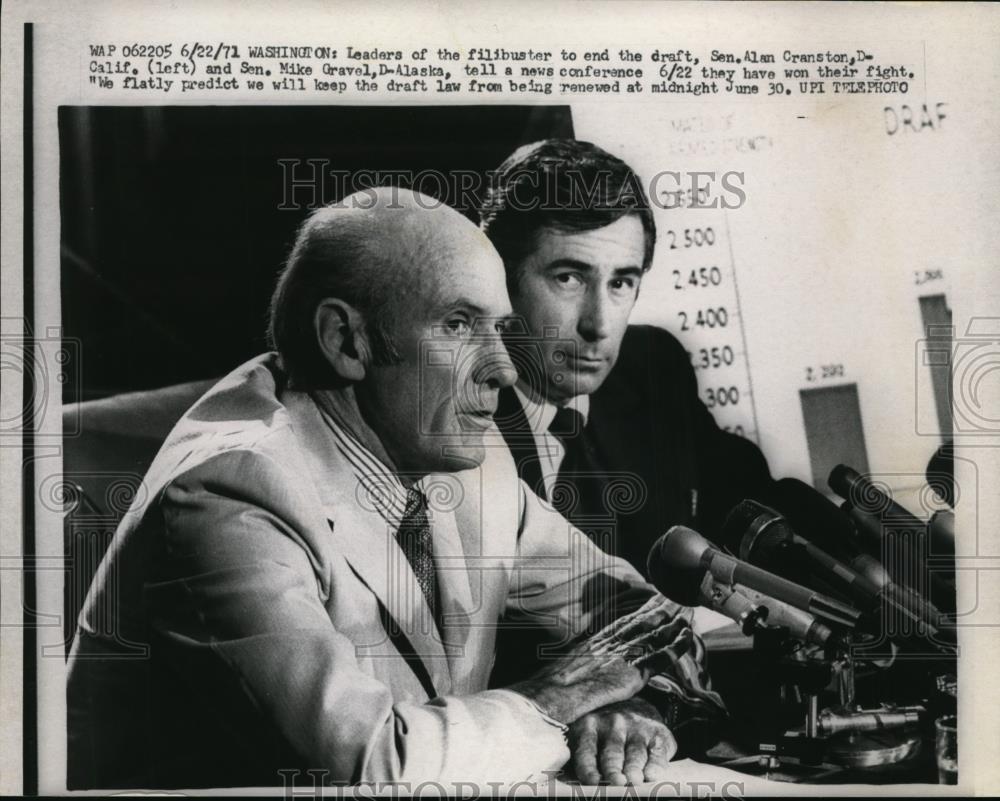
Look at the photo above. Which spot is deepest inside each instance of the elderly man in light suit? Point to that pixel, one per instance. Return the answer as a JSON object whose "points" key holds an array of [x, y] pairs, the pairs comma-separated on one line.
{"points": [[313, 576]]}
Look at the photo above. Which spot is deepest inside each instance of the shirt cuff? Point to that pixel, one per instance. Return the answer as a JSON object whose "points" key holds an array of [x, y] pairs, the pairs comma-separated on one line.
{"points": [[538, 710]]}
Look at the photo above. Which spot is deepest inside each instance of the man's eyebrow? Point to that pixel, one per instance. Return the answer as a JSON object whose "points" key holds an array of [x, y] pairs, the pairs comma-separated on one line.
{"points": [[470, 307], [586, 267], [583, 266], [463, 304]]}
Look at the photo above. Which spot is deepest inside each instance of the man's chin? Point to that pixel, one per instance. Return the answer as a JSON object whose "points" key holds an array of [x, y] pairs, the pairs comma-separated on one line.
{"points": [[464, 456], [589, 383], [573, 385]]}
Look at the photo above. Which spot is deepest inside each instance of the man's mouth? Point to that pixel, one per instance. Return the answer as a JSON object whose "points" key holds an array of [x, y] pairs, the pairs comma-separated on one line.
{"points": [[580, 361]]}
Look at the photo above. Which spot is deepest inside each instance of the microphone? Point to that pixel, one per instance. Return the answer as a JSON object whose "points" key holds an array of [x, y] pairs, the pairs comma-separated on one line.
{"points": [[850, 485], [685, 549], [942, 527], [869, 528], [758, 534], [896, 534], [819, 520], [940, 473], [800, 625], [698, 587], [728, 601], [748, 608]]}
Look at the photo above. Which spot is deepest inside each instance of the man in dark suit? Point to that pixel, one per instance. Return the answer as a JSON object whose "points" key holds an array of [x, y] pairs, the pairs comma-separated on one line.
{"points": [[605, 421]]}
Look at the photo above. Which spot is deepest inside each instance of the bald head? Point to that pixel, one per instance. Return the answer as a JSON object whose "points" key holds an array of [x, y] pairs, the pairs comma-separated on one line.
{"points": [[375, 250]]}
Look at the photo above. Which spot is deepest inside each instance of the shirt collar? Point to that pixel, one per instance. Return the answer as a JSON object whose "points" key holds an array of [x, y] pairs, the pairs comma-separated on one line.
{"points": [[540, 413], [380, 485]]}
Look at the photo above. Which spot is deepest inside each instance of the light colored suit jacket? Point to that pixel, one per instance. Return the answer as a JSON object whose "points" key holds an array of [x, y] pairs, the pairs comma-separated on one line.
{"points": [[254, 613]]}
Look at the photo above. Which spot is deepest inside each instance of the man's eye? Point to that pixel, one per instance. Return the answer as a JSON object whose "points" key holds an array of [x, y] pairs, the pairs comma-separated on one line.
{"points": [[622, 285], [457, 327], [568, 280], [483, 326]]}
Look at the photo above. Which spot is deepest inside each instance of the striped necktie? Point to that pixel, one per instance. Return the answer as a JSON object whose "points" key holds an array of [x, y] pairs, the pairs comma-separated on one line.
{"points": [[414, 538]]}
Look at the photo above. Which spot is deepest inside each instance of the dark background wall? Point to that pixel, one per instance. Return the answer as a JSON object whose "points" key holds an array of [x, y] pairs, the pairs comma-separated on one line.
{"points": [[172, 233]]}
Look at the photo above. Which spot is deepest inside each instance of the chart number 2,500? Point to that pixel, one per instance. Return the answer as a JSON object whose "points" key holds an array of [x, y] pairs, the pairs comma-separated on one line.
{"points": [[691, 238]]}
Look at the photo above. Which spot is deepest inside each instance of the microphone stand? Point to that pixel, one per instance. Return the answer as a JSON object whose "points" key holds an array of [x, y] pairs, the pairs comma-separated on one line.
{"points": [[829, 739]]}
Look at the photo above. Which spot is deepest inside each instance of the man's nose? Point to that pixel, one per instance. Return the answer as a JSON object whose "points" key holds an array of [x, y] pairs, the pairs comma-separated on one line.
{"points": [[494, 367], [594, 316]]}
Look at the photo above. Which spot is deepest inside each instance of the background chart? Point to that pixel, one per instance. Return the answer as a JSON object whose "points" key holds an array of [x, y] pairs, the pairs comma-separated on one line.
{"points": [[809, 311]]}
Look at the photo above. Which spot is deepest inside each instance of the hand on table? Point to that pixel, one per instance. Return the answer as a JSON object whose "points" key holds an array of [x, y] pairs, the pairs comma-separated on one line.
{"points": [[621, 743]]}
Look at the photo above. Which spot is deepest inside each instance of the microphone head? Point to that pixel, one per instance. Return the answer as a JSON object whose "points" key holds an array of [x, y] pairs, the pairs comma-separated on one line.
{"points": [[682, 546], [942, 531], [842, 479], [814, 516], [940, 473], [674, 565], [750, 525]]}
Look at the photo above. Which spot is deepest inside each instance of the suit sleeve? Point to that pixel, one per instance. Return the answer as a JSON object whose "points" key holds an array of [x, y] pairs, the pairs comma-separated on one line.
{"points": [[239, 598], [562, 582]]}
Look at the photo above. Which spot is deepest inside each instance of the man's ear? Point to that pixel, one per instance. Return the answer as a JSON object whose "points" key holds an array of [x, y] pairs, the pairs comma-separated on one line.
{"points": [[340, 332]]}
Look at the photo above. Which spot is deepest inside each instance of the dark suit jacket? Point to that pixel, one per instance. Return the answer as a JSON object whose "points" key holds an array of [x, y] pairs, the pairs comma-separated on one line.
{"points": [[658, 442]]}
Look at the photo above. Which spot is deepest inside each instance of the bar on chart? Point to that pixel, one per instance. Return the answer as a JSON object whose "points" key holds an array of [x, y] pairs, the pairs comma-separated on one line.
{"points": [[936, 317], [834, 433]]}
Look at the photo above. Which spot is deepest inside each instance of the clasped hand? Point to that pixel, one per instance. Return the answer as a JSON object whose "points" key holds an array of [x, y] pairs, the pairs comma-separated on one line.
{"points": [[613, 736]]}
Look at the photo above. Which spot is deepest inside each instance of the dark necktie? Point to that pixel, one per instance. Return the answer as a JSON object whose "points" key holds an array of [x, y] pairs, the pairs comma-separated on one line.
{"points": [[414, 538], [567, 425], [579, 488]]}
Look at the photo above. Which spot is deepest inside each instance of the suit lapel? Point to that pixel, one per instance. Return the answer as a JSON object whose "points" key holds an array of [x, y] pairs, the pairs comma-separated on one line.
{"points": [[513, 424], [366, 540], [452, 571]]}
